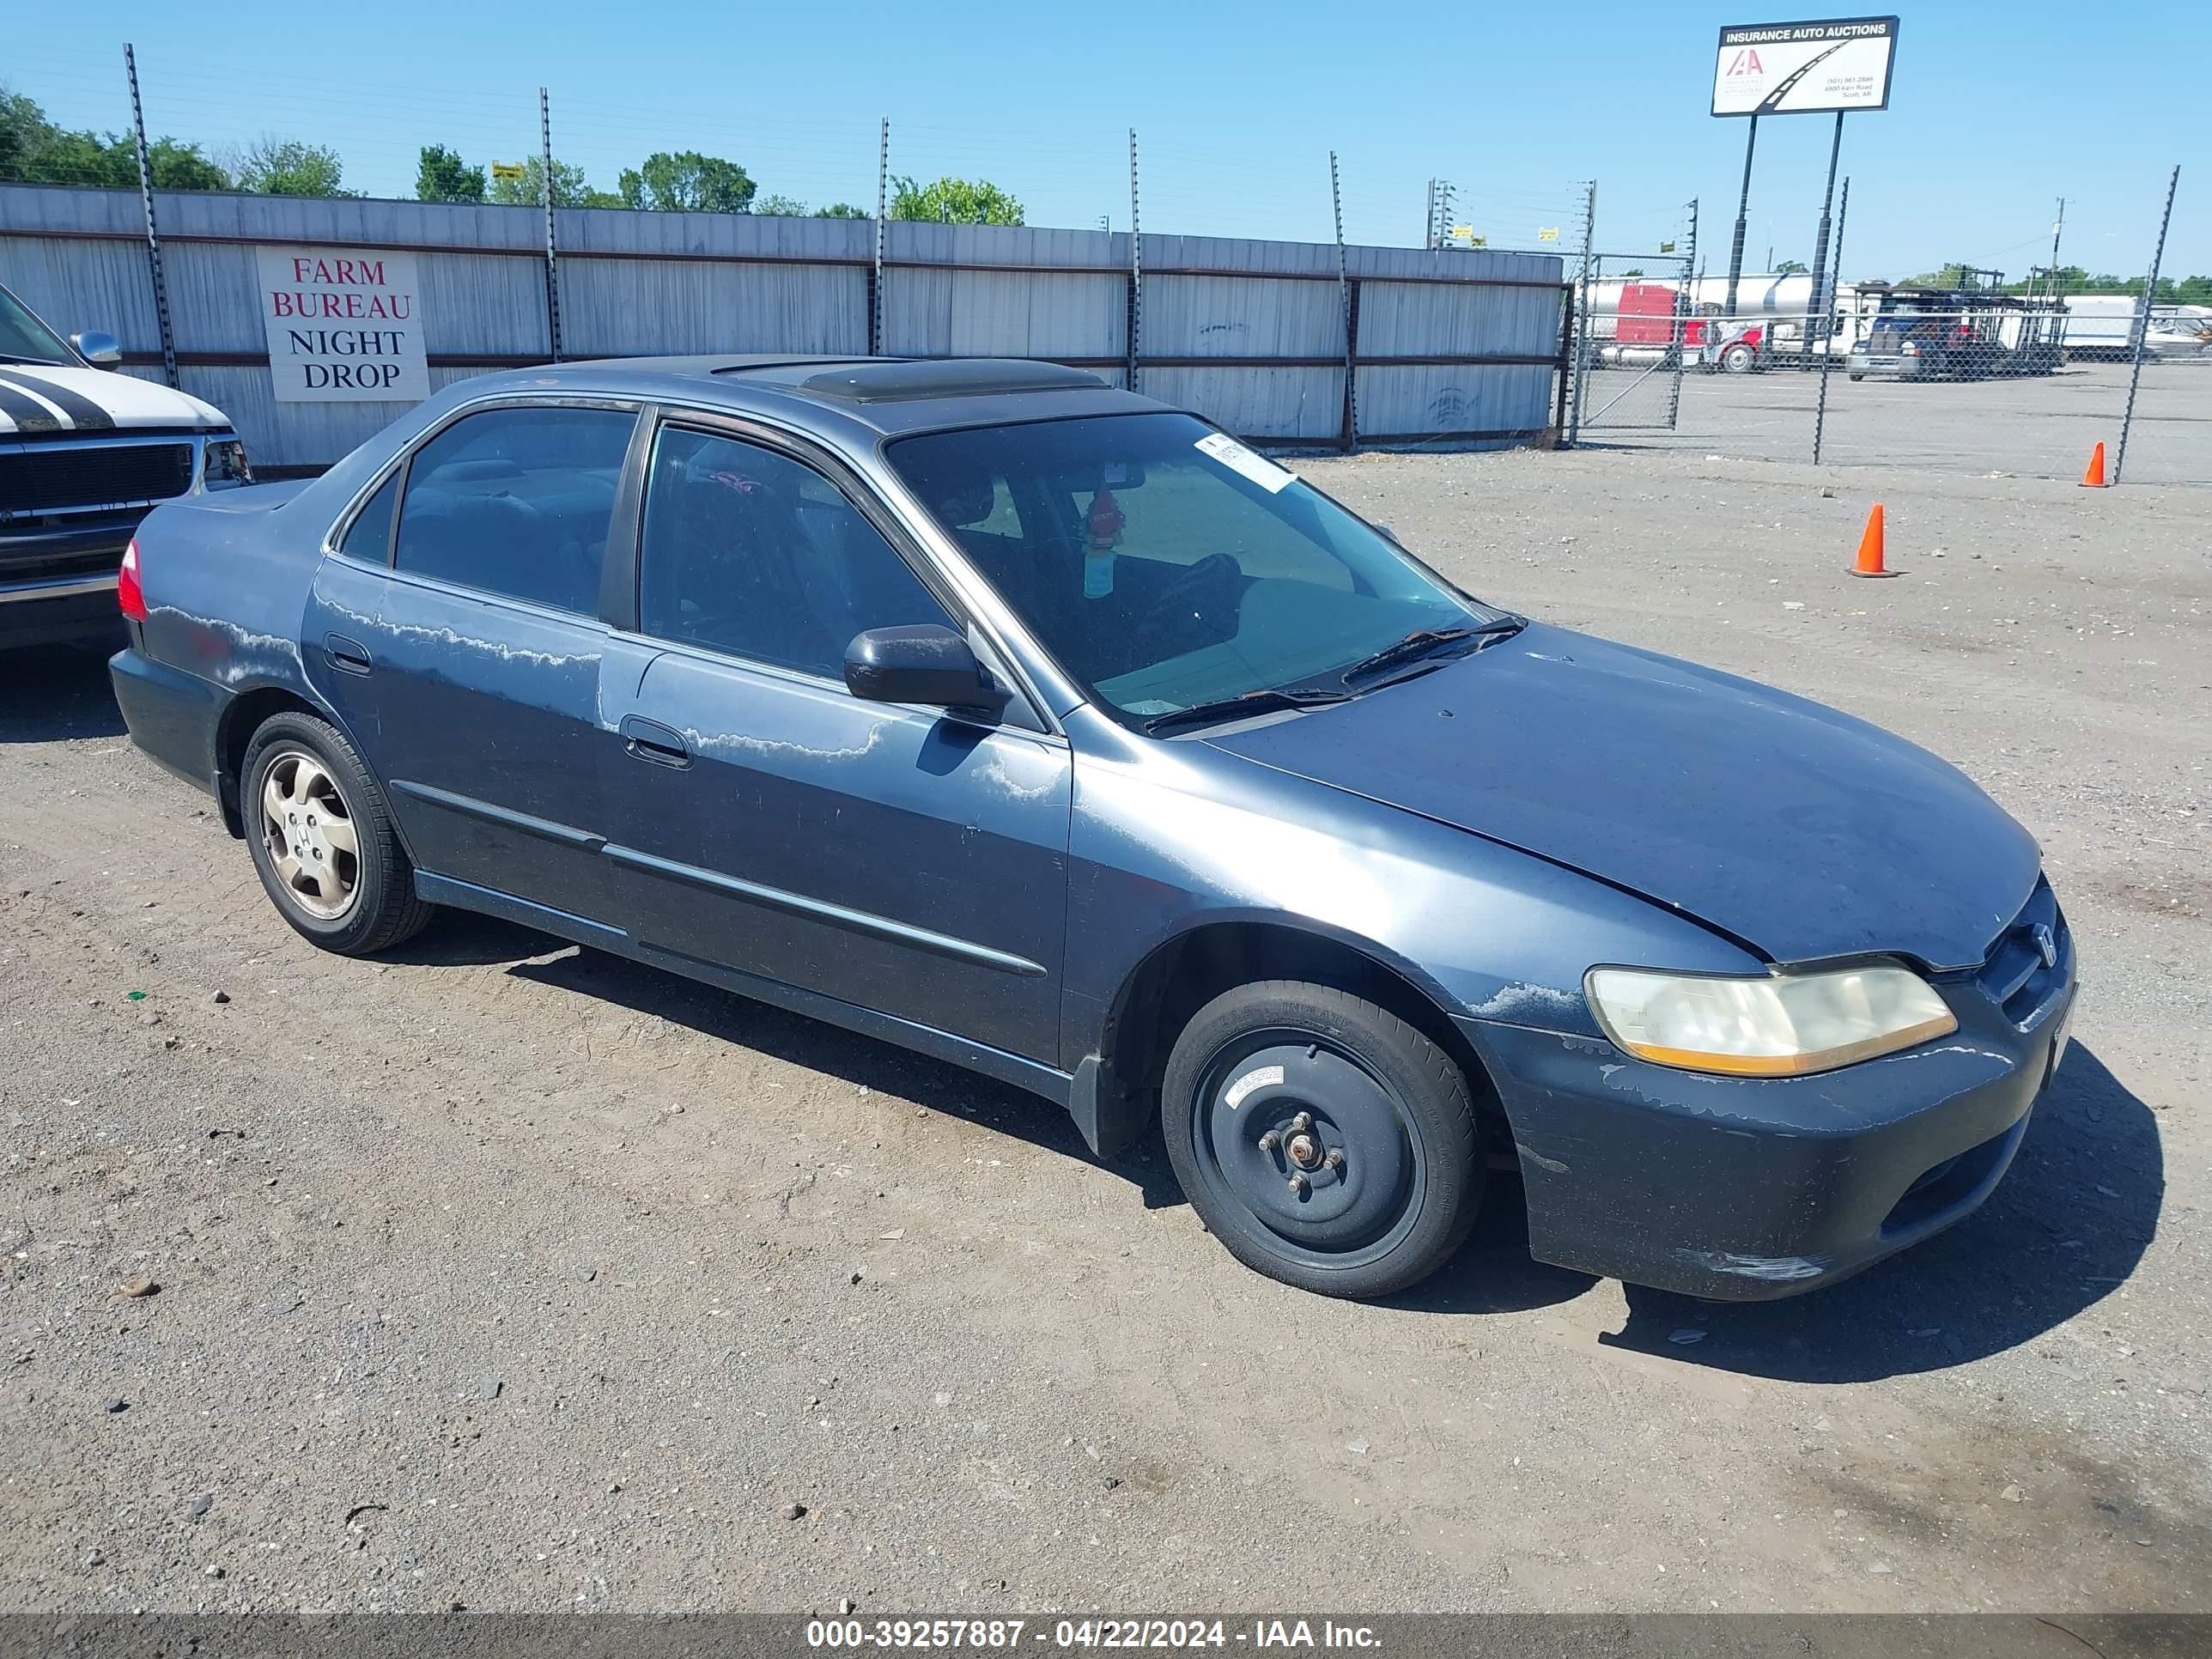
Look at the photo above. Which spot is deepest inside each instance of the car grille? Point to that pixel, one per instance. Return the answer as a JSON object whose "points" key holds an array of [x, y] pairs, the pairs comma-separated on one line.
{"points": [[92, 475], [2015, 976]]}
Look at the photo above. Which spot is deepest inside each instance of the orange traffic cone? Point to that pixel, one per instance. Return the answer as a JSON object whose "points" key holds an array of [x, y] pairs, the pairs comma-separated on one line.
{"points": [[2094, 477], [1869, 562]]}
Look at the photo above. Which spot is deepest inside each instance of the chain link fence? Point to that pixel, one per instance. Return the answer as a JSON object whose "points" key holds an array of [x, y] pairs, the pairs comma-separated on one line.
{"points": [[1973, 371]]}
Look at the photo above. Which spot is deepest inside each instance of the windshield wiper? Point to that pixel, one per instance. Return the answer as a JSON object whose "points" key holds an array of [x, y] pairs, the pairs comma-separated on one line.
{"points": [[1423, 642], [1263, 702]]}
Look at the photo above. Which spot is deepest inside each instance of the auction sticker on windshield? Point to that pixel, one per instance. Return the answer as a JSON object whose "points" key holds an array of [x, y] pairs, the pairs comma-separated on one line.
{"points": [[1249, 463]]}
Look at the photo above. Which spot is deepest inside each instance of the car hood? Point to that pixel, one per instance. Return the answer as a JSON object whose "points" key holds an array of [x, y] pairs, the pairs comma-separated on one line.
{"points": [[48, 400], [1801, 832]]}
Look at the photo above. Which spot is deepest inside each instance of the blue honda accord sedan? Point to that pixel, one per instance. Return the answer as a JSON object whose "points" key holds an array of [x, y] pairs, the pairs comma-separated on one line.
{"points": [[982, 707]]}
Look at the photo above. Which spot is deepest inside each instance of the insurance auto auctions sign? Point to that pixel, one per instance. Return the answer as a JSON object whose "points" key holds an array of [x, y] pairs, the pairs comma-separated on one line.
{"points": [[344, 326], [1796, 69]]}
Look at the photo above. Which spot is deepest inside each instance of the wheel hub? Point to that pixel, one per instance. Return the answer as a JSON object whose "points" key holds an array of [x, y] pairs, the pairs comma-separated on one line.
{"points": [[309, 835], [1309, 1142]]}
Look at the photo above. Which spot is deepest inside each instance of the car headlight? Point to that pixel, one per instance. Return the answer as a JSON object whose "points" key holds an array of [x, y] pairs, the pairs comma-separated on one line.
{"points": [[226, 466], [1773, 1025]]}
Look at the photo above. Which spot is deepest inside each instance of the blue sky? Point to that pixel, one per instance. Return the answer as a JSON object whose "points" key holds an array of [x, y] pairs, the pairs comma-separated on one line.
{"points": [[1997, 111]]}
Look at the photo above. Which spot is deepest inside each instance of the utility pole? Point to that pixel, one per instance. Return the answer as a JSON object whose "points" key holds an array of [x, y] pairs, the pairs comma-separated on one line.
{"points": [[2057, 226]]}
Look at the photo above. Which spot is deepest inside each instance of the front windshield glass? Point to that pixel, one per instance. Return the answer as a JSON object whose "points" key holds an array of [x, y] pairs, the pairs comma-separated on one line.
{"points": [[26, 339], [1164, 565]]}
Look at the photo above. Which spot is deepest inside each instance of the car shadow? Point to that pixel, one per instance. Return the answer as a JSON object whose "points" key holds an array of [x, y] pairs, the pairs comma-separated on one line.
{"points": [[883, 1067], [54, 693], [2065, 1228]]}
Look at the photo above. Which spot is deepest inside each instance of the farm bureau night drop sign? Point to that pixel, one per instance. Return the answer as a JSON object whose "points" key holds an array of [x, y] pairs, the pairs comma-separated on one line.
{"points": [[344, 326]]}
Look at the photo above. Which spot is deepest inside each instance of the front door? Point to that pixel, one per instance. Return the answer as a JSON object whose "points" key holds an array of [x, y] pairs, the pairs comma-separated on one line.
{"points": [[761, 818]]}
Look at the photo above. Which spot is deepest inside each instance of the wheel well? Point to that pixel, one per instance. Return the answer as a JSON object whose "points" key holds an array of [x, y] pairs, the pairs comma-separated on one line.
{"points": [[1184, 974], [240, 720]]}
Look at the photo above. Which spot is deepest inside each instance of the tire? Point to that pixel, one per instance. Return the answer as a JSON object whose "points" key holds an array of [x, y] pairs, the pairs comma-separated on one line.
{"points": [[351, 900], [1739, 360], [1858, 377], [1375, 1093]]}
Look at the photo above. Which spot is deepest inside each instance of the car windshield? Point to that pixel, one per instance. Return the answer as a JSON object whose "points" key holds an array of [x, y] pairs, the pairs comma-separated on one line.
{"points": [[1166, 566], [26, 339]]}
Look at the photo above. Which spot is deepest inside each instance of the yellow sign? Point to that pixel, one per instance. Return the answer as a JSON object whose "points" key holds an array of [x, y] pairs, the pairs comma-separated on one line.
{"points": [[1466, 233], [1665, 247], [1548, 234], [513, 170]]}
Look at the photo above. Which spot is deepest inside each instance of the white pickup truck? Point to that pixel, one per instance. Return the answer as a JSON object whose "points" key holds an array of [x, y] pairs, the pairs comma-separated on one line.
{"points": [[85, 453]]}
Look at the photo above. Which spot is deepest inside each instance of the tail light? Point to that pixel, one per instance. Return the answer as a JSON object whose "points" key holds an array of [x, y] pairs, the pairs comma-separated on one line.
{"points": [[130, 599]]}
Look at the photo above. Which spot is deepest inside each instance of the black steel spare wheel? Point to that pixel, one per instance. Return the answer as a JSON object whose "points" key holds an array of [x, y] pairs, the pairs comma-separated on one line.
{"points": [[1323, 1141]]}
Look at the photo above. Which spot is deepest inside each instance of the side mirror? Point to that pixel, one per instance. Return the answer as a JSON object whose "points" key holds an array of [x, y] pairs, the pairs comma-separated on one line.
{"points": [[100, 350], [925, 662]]}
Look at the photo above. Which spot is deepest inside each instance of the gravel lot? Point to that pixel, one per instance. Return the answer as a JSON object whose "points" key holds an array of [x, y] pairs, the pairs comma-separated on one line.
{"points": [[503, 1275]]}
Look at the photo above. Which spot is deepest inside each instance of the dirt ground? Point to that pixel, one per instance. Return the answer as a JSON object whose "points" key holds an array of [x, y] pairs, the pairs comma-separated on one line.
{"points": [[503, 1275]]}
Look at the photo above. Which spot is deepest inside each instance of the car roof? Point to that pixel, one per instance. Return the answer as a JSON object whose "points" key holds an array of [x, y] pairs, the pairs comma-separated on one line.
{"points": [[842, 397]]}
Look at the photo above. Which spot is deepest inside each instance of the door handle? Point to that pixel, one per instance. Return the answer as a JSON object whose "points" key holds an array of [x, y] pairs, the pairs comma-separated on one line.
{"points": [[649, 740], [351, 655]]}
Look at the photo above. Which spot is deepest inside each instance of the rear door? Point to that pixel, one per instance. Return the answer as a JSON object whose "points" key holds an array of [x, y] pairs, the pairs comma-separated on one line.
{"points": [[762, 818], [469, 662]]}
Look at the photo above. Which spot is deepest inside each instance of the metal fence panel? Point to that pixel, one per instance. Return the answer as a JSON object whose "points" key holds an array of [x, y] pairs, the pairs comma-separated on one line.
{"points": [[1305, 405], [645, 307], [1242, 317], [1408, 404], [79, 285], [1003, 313], [1436, 320]]}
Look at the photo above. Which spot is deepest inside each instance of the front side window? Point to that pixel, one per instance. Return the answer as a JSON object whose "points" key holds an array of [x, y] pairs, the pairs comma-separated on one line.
{"points": [[25, 339], [748, 551], [1166, 566], [517, 501]]}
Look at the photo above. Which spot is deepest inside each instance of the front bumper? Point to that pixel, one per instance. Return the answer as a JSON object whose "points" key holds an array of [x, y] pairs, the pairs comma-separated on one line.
{"points": [[58, 583], [1746, 1189]]}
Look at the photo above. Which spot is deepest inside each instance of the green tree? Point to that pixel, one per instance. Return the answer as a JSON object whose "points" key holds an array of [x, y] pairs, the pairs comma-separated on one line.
{"points": [[36, 151], [442, 176], [841, 210], [954, 200], [687, 182], [1792, 268], [292, 166], [780, 205]]}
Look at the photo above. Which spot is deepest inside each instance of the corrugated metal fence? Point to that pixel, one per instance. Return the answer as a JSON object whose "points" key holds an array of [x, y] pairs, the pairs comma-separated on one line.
{"points": [[1449, 348]]}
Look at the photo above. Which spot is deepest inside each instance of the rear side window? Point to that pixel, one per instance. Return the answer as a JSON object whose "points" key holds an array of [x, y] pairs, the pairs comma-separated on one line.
{"points": [[368, 538], [517, 501], [753, 553]]}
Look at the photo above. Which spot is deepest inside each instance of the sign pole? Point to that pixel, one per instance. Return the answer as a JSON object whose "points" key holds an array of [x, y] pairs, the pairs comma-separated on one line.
{"points": [[1742, 210]]}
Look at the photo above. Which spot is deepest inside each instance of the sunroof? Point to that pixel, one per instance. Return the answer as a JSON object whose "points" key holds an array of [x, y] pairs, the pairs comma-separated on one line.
{"points": [[891, 382]]}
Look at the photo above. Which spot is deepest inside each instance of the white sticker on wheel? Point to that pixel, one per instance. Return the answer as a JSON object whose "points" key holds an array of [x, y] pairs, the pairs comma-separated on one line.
{"points": [[1260, 1077], [1247, 462]]}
